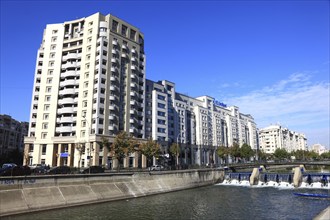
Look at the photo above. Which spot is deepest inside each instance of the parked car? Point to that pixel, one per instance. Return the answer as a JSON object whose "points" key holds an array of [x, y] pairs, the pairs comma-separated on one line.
{"points": [[40, 169], [14, 170], [156, 167], [92, 169], [59, 170]]}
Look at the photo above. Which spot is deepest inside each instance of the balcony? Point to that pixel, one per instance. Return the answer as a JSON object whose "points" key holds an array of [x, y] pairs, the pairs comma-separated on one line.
{"points": [[133, 67], [114, 42], [112, 78], [132, 94], [113, 69], [67, 91], [112, 88], [123, 55], [133, 51], [114, 51], [113, 60], [112, 108], [131, 121], [124, 47], [112, 117], [65, 129], [111, 127], [133, 76], [70, 73], [69, 82], [112, 97], [65, 110], [66, 101], [66, 119], [71, 56]]}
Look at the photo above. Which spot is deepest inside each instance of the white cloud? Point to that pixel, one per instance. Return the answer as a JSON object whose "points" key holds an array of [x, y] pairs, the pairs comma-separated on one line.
{"points": [[295, 102]]}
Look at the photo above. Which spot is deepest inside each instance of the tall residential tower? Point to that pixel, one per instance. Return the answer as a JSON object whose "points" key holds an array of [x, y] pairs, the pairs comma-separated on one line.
{"points": [[89, 82]]}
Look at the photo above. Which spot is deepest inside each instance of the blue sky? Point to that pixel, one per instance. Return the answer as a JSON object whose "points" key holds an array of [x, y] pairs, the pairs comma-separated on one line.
{"points": [[269, 58]]}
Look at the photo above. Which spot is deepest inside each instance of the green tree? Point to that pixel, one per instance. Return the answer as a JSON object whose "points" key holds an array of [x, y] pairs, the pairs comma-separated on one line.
{"points": [[149, 149], [325, 155], [261, 155], [121, 147], [235, 151], [175, 150], [223, 152], [281, 154], [246, 151]]}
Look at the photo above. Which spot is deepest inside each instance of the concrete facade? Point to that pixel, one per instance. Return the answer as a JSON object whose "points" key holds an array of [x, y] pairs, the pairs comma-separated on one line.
{"points": [[200, 125], [89, 82]]}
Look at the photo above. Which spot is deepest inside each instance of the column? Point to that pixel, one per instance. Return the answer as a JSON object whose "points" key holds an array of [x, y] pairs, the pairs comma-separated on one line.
{"points": [[144, 161], [59, 146], [96, 154]]}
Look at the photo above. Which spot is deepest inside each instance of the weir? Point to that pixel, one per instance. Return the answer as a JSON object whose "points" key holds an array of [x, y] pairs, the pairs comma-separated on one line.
{"points": [[288, 180]]}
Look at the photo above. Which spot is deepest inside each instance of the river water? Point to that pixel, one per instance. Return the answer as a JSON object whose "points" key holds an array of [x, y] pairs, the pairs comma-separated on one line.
{"points": [[211, 202]]}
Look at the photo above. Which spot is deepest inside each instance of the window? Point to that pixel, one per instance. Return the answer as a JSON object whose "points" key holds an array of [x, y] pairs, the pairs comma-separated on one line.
{"points": [[31, 146], [84, 103], [123, 30], [45, 125], [85, 84], [114, 25], [160, 113], [49, 80], [47, 98], [46, 107], [90, 23], [52, 55], [54, 39], [54, 31], [85, 93], [86, 75], [43, 135], [50, 72], [132, 34], [161, 97], [89, 39], [90, 31], [46, 116], [44, 148], [161, 130], [48, 89], [89, 48], [161, 122], [53, 47], [161, 105]]}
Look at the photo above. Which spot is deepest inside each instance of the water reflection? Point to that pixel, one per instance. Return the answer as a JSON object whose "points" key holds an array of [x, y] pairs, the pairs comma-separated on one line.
{"points": [[213, 202]]}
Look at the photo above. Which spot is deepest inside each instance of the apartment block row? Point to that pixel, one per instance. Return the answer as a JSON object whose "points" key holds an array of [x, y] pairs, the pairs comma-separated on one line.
{"points": [[276, 136], [90, 83]]}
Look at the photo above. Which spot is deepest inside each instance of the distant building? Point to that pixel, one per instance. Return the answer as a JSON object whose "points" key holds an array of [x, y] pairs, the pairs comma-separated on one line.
{"points": [[276, 136], [12, 134], [318, 148]]}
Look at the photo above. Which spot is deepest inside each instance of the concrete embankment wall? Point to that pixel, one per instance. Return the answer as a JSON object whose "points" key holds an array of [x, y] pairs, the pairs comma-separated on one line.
{"points": [[33, 193]]}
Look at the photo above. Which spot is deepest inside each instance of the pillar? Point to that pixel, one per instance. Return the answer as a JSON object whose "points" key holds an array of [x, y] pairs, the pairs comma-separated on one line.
{"points": [[59, 150], [144, 161]]}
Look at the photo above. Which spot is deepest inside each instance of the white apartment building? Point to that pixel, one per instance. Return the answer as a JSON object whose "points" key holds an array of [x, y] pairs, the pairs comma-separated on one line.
{"points": [[199, 125], [276, 136], [89, 83]]}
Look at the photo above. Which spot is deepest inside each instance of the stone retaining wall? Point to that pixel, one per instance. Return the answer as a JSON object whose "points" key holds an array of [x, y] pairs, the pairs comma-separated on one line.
{"points": [[34, 193]]}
